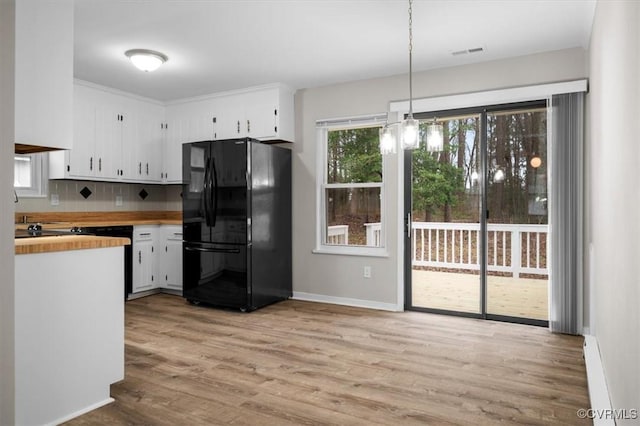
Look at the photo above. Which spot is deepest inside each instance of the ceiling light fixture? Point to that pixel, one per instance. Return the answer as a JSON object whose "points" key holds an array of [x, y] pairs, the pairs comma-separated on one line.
{"points": [[410, 127], [146, 60]]}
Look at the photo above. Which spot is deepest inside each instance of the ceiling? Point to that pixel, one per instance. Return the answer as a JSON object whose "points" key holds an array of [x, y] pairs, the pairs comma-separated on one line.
{"points": [[220, 45]]}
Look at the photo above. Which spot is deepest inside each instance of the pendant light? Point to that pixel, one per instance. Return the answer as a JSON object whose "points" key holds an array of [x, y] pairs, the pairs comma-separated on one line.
{"points": [[387, 140], [435, 137], [410, 127]]}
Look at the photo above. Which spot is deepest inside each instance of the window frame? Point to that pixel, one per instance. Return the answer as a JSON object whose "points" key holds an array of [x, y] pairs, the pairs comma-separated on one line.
{"points": [[323, 127], [39, 176]]}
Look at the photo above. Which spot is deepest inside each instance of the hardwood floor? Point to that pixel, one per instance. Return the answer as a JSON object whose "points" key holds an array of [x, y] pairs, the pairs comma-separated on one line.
{"points": [[303, 363]]}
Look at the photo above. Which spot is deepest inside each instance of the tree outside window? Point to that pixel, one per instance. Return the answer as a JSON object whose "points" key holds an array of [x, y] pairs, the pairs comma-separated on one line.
{"points": [[352, 189]]}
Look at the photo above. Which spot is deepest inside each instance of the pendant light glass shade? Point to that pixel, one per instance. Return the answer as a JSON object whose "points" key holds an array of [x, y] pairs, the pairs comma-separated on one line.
{"points": [[387, 141], [410, 129], [435, 137]]}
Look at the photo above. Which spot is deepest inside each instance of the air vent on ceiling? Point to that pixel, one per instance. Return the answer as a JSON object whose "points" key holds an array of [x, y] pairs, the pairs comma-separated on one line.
{"points": [[467, 51]]}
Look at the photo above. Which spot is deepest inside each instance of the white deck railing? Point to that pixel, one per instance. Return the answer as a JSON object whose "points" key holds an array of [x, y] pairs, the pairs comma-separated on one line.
{"points": [[515, 249], [338, 234]]}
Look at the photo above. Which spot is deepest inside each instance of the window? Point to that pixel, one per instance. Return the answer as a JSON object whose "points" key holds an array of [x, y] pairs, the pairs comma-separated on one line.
{"points": [[30, 175], [350, 189]]}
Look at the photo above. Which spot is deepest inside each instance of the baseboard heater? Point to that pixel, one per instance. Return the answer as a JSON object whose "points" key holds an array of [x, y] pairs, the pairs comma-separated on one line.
{"points": [[598, 391]]}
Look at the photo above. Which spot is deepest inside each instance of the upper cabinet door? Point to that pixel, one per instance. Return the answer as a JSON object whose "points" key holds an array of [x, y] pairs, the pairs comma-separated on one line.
{"points": [[149, 144], [82, 161], [44, 73]]}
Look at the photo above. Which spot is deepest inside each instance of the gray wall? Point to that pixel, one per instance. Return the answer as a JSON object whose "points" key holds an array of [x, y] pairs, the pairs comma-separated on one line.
{"points": [[7, 246], [341, 276], [614, 209]]}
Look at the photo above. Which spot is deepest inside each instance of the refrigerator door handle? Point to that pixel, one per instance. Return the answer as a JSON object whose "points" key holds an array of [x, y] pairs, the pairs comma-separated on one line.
{"points": [[205, 192], [213, 250], [215, 191]]}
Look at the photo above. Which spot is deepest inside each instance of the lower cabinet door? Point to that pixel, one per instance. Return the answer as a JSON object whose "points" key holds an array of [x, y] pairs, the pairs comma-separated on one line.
{"points": [[143, 274]]}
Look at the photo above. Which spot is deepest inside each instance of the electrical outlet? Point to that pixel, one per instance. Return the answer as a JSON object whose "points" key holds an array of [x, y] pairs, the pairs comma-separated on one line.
{"points": [[367, 272], [55, 199], [118, 200]]}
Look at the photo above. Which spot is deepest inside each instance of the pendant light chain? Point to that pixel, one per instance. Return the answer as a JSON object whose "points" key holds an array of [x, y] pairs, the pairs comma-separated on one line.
{"points": [[410, 59]]}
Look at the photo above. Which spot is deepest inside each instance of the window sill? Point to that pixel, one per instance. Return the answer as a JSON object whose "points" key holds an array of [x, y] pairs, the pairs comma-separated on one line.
{"points": [[352, 251], [31, 194]]}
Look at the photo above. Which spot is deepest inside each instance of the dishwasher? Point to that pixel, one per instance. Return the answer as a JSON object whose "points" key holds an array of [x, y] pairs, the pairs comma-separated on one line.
{"points": [[125, 231]]}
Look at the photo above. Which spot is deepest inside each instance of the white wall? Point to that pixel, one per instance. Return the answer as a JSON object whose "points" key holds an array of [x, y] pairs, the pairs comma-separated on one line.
{"points": [[341, 276], [7, 248], [615, 196]]}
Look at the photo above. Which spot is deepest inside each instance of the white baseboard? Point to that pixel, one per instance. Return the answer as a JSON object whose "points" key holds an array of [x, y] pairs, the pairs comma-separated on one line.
{"points": [[359, 303], [598, 391], [83, 411]]}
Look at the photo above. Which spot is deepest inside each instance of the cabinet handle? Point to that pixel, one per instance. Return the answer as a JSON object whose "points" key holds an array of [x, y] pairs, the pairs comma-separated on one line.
{"points": [[238, 126], [248, 126], [139, 257], [91, 163], [99, 164], [140, 168], [147, 169]]}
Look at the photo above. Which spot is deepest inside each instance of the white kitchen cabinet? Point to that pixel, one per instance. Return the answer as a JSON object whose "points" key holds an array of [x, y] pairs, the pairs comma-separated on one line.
{"points": [[148, 144], [172, 153], [113, 124], [171, 258], [81, 160], [43, 74], [186, 122], [116, 138], [265, 113], [125, 138], [144, 258]]}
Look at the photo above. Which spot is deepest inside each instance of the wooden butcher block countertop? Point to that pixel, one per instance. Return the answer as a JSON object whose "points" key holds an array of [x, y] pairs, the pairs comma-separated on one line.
{"points": [[67, 242], [67, 220]]}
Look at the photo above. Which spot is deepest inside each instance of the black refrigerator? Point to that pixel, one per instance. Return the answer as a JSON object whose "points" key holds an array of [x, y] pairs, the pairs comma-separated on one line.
{"points": [[236, 223]]}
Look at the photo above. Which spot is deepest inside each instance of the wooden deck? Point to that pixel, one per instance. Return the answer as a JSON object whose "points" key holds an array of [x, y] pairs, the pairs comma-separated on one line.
{"points": [[516, 297]]}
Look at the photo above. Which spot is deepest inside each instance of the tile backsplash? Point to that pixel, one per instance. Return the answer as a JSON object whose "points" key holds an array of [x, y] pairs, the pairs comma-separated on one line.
{"points": [[71, 196]]}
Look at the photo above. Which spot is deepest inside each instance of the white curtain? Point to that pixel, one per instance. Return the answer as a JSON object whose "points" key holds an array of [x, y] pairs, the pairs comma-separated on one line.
{"points": [[566, 212]]}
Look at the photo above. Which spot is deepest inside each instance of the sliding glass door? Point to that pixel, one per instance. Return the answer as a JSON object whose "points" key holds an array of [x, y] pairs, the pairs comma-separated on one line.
{"points": [[477, 216], [517, 225], [445, 220]]}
